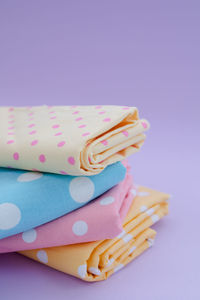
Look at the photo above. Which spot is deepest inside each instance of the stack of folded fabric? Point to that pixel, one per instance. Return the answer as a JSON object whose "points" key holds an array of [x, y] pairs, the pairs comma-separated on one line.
{"points": [[66, 199]]}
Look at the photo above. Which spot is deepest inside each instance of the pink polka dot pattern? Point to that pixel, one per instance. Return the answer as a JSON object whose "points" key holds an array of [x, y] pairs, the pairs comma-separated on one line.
{"points": [[59, 136], [61, 144], [71, 160], [55, 126], [63, 172], [10, 142], [85, 134], [31, 125], [125, 133], [16, 156], [78, 119], [42, 158], [33, 143], [32, 132], [144, 124], [104, 142], [107, 120]]}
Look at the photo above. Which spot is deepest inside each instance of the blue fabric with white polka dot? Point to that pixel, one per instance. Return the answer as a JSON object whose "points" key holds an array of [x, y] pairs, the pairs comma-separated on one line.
{"points": [[30, 199]]}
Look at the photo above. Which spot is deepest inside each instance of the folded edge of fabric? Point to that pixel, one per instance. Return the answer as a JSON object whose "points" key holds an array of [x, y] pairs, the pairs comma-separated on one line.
{"points": [[96, 261], [55, 140], [82, 225], [60, 194]]}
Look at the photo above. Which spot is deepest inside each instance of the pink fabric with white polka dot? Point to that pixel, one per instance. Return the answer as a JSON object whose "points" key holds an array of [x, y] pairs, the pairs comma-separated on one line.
{"points": [[100, 219]]}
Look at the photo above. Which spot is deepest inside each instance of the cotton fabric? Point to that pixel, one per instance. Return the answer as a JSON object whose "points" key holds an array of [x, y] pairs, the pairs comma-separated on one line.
{"points": [[98, 260], [101, 219], [30, 199], [74, 140]]}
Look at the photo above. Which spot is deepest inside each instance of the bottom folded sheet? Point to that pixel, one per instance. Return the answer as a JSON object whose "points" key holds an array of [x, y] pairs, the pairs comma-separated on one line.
{"points": [[94, 261]]}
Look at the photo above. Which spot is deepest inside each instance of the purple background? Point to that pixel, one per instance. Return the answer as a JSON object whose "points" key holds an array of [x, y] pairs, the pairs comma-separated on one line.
{"points": [[136, 53]]}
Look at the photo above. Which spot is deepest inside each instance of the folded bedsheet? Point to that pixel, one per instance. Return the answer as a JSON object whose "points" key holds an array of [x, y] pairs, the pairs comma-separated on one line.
{"points": [[30, 199], [74, 140], [96, 261], [100, 219]]}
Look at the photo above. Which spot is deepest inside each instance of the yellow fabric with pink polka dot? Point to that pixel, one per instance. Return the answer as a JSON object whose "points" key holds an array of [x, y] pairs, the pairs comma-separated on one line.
{"points": [[75, 140]]}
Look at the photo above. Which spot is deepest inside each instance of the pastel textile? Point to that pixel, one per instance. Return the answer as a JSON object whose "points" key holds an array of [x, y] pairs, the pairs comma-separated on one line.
{"points": [[74, 140], [100, 219], [30, 199], [96, 261]]}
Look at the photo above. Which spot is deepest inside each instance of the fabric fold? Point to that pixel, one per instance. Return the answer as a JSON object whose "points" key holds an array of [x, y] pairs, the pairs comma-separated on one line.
{"points": [[74, 140], [100, 219], [98, 260], [30, 199]]}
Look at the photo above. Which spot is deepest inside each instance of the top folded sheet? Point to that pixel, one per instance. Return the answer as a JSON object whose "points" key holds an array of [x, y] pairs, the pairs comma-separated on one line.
{"points": [[74, 140]]}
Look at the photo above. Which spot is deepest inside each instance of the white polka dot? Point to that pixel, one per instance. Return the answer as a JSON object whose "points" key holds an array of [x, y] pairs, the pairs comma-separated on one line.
{"points": [[107, 200], [29, 236], [121, 234], [127, 238], [82, 271], [134, 192], [155, 218], [29, 176], [119, 267], [80, 228], [81, 189], [110, 262], [94, 271], [42, 256], [143, 194], [150, 211], [132, 249], [150, 242], [10, 216], [143, 208]]}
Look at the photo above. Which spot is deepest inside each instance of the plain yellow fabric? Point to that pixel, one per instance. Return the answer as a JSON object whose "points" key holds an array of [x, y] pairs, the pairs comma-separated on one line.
{"points": [[80, 140], [96, 261]]}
